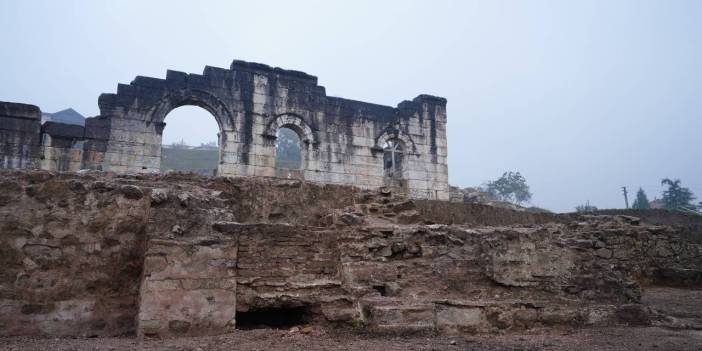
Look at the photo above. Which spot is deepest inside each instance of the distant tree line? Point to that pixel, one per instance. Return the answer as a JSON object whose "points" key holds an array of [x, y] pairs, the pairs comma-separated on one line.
{"points": [[677, 196], [674, 197], [184, 145], [585, 208], [512, 187], [641, 202]]}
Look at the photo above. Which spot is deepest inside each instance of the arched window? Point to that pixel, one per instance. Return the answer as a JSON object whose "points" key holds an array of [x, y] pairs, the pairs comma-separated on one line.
{"points": [[190, 141], [392, 158], [288, 150]]}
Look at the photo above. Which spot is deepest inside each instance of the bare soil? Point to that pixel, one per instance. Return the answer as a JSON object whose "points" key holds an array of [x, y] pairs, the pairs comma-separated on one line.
{"points": [[651, 338], [674, 302]]}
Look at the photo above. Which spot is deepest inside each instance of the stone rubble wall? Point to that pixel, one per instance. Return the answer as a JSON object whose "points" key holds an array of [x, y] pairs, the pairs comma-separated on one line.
{"points": [[690, 223], [481, 214], [450, 279], [160, 256], [71, 256]]}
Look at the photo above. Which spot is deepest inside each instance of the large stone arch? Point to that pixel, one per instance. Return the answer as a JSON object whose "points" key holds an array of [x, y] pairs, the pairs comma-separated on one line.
{"points": [[174, 98], [193, 97], [134, 118]]}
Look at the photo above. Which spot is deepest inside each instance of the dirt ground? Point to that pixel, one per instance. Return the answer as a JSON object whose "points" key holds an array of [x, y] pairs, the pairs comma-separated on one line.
{"points": [[651, 338], [681, 304]]}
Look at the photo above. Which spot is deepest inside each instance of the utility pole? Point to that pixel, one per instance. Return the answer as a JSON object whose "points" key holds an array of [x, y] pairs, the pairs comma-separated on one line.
{"points": [[626, 199]]}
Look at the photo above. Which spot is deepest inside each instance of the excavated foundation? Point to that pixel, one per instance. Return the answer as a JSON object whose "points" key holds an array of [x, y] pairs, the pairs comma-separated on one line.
{"points": [[157, 256]]}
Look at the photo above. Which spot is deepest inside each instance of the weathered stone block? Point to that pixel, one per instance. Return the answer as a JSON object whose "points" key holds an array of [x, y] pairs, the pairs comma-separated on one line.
{"points": [[455, 320]]}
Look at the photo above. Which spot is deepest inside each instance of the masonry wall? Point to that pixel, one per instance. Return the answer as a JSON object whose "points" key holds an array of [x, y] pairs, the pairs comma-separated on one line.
{"points": [[26, 143], [342, 139], [100, 254], [188, 287], [20, 142], [71, 255], [62, 146]]}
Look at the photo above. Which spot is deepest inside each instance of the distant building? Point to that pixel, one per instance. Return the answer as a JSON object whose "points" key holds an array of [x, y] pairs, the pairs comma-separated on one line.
{"points": [[68, 116], [657, 203]]}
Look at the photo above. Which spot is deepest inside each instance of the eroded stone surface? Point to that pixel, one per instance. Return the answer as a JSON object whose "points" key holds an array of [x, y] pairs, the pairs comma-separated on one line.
{"points": [[82, 256]]}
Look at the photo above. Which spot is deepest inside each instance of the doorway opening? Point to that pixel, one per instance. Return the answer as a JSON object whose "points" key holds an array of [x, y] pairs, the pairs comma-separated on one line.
{"points": [[190, 142]]}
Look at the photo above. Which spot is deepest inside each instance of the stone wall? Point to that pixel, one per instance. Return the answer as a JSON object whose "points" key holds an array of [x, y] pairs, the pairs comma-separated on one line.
{"points": [[97, 254], [71, 254], [26, 143], [480, 214], [342, 140], [188, 287], [62, 146], [690, 223], [19, 136]]}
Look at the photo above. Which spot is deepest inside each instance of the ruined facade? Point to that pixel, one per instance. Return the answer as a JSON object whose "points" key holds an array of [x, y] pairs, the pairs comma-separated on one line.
{"points": [[344, 142]]}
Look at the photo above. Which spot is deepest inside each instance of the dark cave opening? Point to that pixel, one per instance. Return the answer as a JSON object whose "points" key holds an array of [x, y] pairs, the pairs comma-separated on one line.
{"points": [[273, 317], [381, 289]]}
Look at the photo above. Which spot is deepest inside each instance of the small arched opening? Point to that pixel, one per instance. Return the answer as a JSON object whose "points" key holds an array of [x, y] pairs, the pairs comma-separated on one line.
{"points": [[190, 141], [288, 153]]}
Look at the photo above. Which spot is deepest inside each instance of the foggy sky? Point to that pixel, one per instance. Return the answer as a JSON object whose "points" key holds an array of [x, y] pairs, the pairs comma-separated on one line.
{"points": [[582, 97]]}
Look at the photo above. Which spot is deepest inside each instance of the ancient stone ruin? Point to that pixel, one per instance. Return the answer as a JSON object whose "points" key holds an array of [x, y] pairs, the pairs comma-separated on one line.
{"points": [[98, 254], [359, 235], [344, 142]]}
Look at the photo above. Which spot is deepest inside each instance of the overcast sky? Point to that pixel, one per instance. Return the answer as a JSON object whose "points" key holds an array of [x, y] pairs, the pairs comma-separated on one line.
{"points": [[582, 97]]}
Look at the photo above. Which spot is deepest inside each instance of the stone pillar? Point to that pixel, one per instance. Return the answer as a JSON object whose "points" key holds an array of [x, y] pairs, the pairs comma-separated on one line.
{"points": [[62, 146], [20, 144], [428, 174]]}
